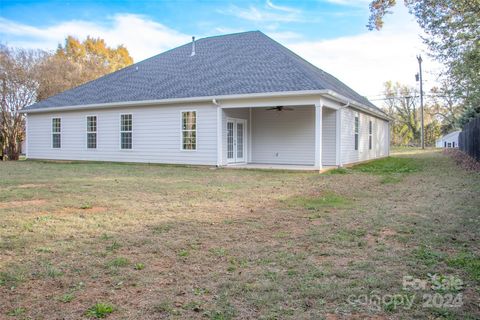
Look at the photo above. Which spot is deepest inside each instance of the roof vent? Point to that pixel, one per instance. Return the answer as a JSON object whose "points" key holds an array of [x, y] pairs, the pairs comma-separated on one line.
{"points": [[193, 47]]}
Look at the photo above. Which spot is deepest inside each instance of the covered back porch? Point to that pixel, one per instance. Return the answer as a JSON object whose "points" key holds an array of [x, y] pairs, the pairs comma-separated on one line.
{"points": [[288, 135]]}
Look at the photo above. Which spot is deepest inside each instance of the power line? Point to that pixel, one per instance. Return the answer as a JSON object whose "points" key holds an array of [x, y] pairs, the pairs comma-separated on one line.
{"points": [[405, 97]]}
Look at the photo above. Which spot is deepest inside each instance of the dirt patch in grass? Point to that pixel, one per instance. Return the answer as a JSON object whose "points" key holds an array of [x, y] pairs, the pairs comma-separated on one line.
{"points": [[89, 209], [22, 203], [382, 236], [30, 185]]}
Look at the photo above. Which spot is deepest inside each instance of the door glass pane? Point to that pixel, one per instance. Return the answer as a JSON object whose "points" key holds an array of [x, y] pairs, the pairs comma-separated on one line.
{"points": [[240, 140], [230, 140]]}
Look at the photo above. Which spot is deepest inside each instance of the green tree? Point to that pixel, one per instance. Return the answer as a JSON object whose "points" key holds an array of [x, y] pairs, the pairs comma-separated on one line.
{"points": [[77, 62], [453, 37]]}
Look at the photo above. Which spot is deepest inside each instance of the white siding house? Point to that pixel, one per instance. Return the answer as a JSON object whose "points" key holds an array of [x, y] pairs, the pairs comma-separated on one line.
{"points": [[284, 115], [449, 140]]}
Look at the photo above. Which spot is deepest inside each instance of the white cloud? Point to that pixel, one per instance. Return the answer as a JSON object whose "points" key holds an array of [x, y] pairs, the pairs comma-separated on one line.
{"points": [[353, 3], [142, 37], [270, 4], [365, 61], [271, 13]]}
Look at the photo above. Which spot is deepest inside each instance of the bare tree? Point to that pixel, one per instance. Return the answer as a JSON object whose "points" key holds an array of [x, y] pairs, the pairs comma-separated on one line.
{"points": [[18, 87], [401, 105], [446, 106]]}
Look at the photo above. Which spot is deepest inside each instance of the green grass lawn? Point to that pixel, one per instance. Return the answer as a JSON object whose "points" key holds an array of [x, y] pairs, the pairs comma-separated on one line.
{"points": [[136, 241]]}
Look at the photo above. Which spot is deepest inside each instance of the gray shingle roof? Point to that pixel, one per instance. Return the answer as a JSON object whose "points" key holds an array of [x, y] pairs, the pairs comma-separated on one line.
{"points": [[241, 63]]}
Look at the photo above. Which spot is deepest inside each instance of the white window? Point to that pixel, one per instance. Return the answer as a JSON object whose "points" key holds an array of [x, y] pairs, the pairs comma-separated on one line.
{"points": [[126, 126], [92, 132], [370, 130], [356, 131], [189, 130], [56, 133]]}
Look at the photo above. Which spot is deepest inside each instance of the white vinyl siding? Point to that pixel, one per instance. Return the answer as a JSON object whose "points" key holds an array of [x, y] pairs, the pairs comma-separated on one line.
{"points": [[286, 137], [329, 149], [156, 135], [283, 137], [380, 136]]}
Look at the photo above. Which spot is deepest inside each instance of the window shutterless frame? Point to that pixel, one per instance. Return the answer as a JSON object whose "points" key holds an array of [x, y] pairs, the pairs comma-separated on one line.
{"points": [[56, 132], [126, 131], [91, 129], [370, 133], [357, 130], [188, 130]]}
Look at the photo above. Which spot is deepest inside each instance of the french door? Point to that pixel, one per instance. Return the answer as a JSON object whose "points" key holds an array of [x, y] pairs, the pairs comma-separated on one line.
{"points": [[236, 139]]}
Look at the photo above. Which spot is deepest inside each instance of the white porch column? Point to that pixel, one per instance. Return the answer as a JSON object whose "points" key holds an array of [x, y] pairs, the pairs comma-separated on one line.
{"points": [[318, 135], [250, 138], [219, 136], [338, 137], [26, 136]]}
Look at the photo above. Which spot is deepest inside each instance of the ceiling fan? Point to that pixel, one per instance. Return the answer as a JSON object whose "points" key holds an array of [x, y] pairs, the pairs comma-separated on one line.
{"points": [[280, 108]]}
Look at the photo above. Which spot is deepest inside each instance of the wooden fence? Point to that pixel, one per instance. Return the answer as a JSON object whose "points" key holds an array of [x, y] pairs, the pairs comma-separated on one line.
{"points": [[469, 139]]}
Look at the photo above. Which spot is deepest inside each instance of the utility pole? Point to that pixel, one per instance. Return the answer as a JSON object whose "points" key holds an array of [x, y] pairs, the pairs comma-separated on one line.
{"points": [[419, 78]]}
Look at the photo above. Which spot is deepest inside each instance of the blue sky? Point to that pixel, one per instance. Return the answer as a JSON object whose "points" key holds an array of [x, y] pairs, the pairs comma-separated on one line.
{"points": [[329, 33], [310, 19]]}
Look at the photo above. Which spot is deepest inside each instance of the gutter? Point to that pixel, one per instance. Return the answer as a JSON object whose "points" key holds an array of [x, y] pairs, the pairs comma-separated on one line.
{"points": [[356, 105], [210, 99]]}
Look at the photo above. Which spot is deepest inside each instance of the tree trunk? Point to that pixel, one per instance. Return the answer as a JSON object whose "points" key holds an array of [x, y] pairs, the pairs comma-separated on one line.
{"points": [[13, 150]]}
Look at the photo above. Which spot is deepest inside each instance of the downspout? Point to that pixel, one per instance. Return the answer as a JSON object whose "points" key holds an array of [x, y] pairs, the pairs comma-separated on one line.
{"points": [[219, 133]]}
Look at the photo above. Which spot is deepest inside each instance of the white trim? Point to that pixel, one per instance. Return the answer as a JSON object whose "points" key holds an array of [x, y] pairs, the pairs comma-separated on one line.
{"points": [[356, 132], [96, 132], [318, 134], [232, 120], [244, 122], [338, 137], [388, 139], [235, 121], [120, 131], [196, 130], [328, 93], [219, 136], [370, 134], [250, 136], [51, 132], [26, 136]]}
